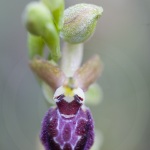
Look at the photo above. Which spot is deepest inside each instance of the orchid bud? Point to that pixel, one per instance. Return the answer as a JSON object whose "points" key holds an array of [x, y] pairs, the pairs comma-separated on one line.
{"points": [[39, 22], [36, 18], [80, 22], [56, 7], [35, 45]]}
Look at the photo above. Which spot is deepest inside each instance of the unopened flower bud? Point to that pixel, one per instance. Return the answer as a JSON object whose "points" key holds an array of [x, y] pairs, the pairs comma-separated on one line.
{"points": [[56, 7], [35, 45], [36, 17], [39, 22], [80, 22]]}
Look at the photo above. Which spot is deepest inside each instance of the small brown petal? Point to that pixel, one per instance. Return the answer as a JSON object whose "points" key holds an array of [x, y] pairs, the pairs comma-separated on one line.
{"points": [[48, 72], [88, 73]]}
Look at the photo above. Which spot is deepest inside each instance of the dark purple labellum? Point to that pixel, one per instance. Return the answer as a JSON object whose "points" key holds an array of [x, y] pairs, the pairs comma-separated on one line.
{"points": [[61, 133]]}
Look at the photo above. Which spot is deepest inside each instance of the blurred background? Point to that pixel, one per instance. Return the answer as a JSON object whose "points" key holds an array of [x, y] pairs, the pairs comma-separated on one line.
{"points": [[122, 39]]}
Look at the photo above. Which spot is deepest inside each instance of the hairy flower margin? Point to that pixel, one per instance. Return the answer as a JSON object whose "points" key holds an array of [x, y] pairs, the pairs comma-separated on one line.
{"points": [[46, 21]]}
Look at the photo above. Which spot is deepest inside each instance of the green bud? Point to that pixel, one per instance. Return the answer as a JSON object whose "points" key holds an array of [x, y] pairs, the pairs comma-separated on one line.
{"points": [[36, 17], [35, 45], [80, 22], [39, 22], [56, 7]]}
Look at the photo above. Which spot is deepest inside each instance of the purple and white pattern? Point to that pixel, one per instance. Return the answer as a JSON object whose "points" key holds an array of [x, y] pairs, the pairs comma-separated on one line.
{"points": [[69, 125], [67, 133]]}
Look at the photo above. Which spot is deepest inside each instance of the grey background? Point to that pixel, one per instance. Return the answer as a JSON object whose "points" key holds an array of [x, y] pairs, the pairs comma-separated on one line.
{"points": [[122, 39]]}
